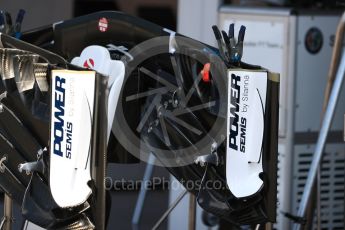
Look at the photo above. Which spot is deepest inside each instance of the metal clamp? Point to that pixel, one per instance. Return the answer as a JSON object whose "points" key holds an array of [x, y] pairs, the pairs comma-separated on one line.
{"points": [[2, 165], [211, 158], [30, 167]]}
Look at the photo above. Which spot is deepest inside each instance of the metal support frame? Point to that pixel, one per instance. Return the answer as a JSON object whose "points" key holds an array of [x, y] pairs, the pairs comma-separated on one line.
{"points": [[170, 209], [192, 212], [337, 49], [7, 219], [326, 123], [142, 194]]}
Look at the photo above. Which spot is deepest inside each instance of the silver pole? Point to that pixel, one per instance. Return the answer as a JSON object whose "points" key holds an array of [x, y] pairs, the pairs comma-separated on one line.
{"points": [[142, 194], [326, 123]]}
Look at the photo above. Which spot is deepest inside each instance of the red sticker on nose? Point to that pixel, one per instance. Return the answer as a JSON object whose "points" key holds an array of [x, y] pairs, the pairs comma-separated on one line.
{"points": [[103, 25], [89, 63]]}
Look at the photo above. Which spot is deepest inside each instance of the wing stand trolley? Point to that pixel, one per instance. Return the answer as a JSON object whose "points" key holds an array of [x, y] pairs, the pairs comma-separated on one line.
{"points": [[173, 98]]}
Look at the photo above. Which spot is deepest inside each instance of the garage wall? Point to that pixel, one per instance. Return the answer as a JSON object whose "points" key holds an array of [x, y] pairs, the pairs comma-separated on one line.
{"points": [[39, 12]]}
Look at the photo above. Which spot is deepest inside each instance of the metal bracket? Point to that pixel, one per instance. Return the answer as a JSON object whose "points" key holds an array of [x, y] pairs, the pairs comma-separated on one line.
{"points": [[7, 219], [31, 167], [211, 158], [2, 165]]}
